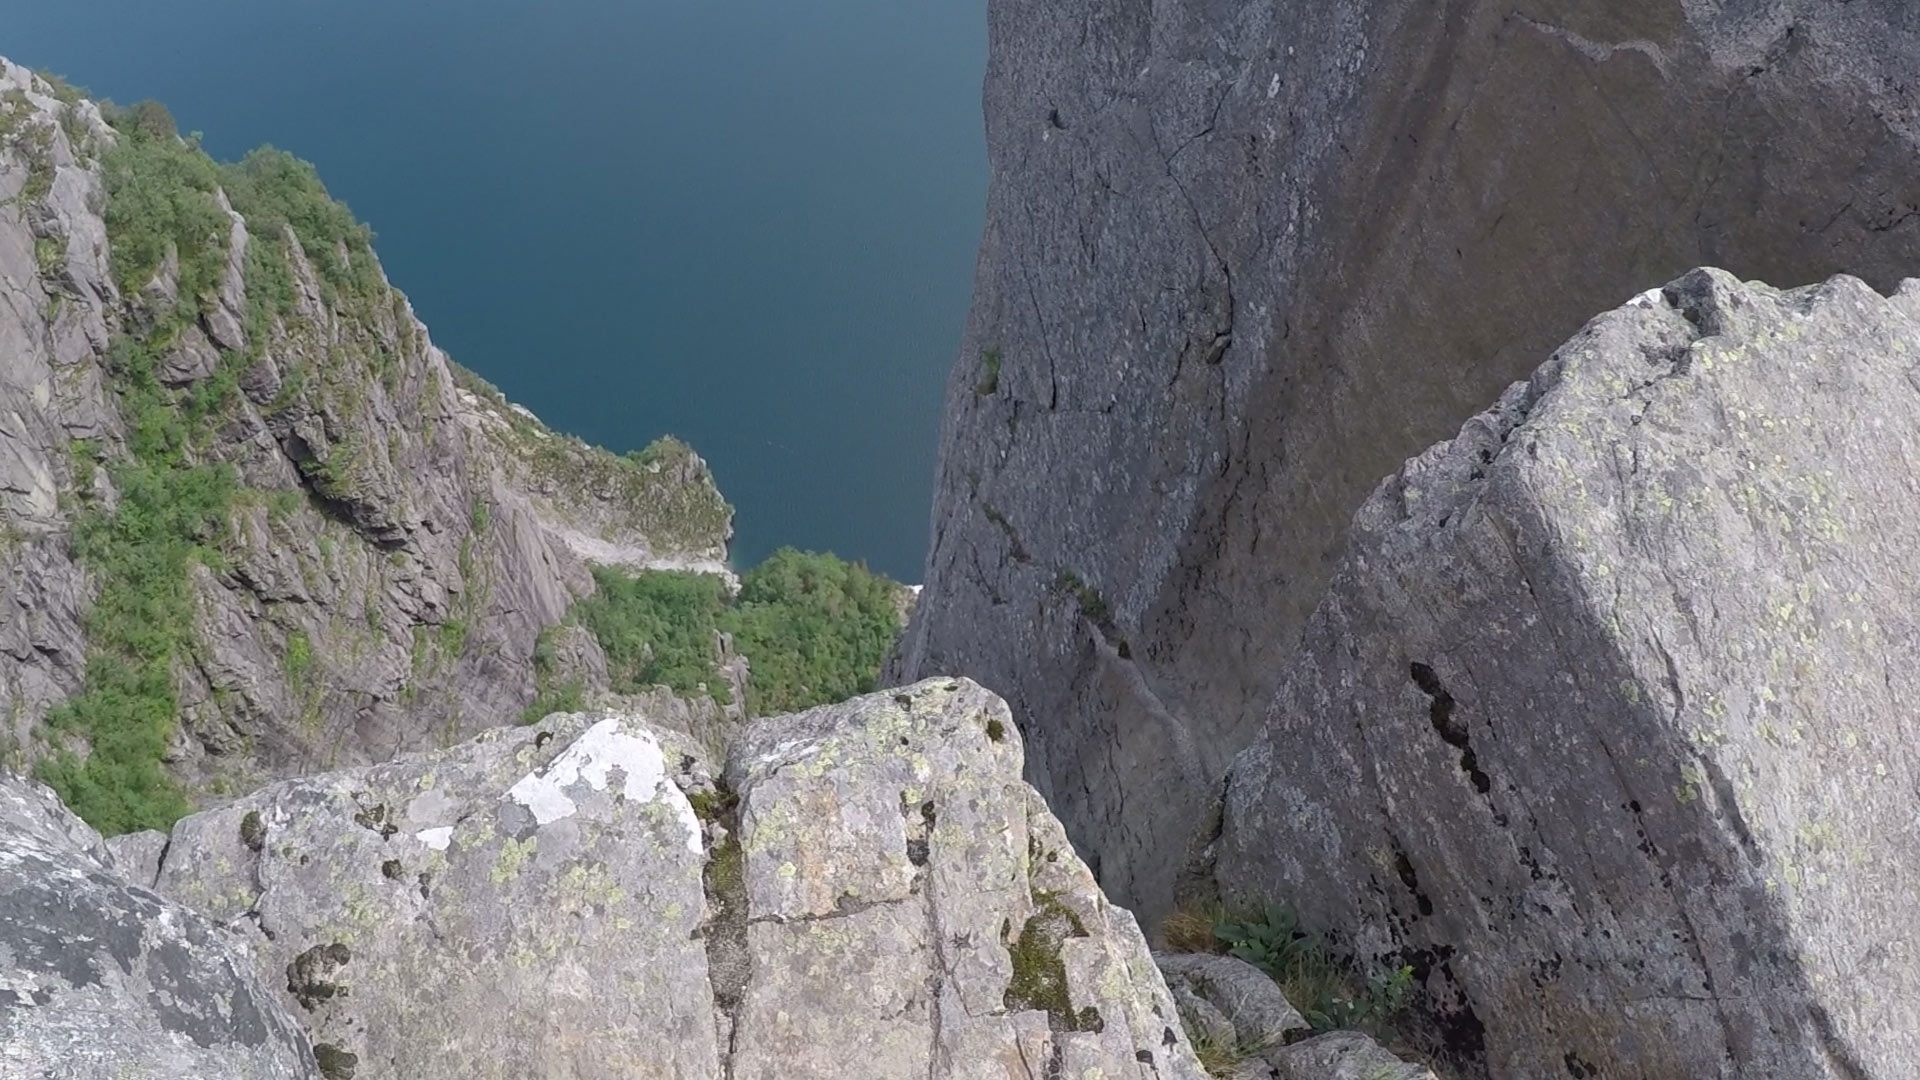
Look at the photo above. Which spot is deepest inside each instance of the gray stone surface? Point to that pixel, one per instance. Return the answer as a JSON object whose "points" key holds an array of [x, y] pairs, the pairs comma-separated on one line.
{"points": [[1606, 722], [525, 905], [1343, 1055], [547, 901], [102, 980], [136, 856], [1258, 1015], [393, 609], [1242, 259]]}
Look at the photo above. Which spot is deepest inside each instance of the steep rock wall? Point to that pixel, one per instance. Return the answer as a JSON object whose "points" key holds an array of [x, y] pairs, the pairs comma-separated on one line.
{"points": [[1241, 259], [1605, 722]]}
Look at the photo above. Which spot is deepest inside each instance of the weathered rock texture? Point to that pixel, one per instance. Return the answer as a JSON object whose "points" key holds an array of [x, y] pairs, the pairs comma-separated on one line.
{"points": [[403, 533], [1606, 723], [1237, 1002], [101, 980], [870, 891], [1242, 259]]}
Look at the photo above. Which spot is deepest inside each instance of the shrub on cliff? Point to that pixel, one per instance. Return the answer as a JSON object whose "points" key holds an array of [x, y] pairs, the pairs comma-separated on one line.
{"points": [[813, 627]]}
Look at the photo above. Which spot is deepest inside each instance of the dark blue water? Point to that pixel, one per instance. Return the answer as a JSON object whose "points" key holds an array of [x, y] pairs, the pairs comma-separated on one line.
{"points": [[749, 223]]}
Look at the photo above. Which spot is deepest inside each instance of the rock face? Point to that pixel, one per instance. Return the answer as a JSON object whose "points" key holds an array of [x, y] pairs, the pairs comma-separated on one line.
{"points": [[1242, 259], [867, 890], [1606, 722], [398, 535], [101, 980]]}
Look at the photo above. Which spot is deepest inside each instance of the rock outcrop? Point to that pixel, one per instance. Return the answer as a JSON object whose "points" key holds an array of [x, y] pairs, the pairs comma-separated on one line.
{"points": [[101, 980], [1606, 722], [865, 890], [390, 536], [1242, 259]]}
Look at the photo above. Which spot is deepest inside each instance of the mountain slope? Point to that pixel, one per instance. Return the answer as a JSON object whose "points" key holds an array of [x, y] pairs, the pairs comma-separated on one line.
{"points": [[255, 523]]}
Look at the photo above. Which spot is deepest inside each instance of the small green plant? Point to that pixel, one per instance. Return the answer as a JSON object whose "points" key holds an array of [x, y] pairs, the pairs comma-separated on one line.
{"points": [[1329, 994], [299, 658], [66, 92], [1219, 1057], [1092, 605], [989, 372]]}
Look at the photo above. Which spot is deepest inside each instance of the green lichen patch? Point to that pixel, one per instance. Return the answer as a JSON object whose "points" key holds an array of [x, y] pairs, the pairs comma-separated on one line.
{"points": [[1039, 975], [253, 831], [336, 1063], [313, 977], [716, 804]]}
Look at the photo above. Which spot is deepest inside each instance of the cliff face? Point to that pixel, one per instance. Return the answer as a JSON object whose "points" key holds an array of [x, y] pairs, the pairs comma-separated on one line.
{"points": [[1605, 722], [1243, 259], [240, 485]]}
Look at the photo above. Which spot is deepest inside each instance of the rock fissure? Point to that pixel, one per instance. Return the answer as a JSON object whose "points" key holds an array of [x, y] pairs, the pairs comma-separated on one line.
{"points": [[729, 956], [1598, 51]]}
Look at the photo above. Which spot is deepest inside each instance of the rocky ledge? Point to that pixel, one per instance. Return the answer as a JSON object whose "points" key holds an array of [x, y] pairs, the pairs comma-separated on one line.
{"points": [[863, 890]]}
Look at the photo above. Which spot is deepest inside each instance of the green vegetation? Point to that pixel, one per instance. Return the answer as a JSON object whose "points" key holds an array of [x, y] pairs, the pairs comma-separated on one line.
{"points": [[66, 92], [273, 189], [1217, 1057], [173, 509], [1329, 994], [653, 491], [657, 629], [989, 373], [662, 491], [814, 629], [553, 692], [19, 132], [160, 194], [1091, 604], [1039, 974], [170, 513]]}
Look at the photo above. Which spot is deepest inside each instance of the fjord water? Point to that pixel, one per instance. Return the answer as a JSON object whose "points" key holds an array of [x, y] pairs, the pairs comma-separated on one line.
{"points": [[749, 223]]}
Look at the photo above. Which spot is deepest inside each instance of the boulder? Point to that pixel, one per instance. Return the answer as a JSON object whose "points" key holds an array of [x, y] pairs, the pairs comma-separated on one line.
{"points": [[1258, 1016], [528, 904], [1241, 259], [1605, 725], [866, 890], [100, 979]]}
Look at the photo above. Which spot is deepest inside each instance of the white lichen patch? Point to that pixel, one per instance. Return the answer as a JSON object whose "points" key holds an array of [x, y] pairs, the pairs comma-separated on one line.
{"points": [[437, 839], [605, 748]]}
